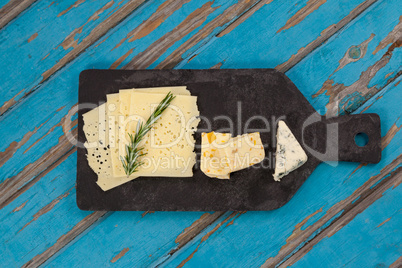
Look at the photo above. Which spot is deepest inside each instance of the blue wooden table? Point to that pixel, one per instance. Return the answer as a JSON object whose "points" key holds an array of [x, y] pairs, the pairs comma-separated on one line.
{"points": [[344, 55]]}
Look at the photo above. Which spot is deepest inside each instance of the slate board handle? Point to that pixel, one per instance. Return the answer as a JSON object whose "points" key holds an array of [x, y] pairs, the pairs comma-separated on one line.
{"points": [[333, 139]]}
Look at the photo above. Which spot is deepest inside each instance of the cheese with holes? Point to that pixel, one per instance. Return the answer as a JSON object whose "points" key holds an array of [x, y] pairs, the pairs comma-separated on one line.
{"points": [[289, 154], [222, 155], [125, 95], [169, 146], [102, 134], [97, 145]]}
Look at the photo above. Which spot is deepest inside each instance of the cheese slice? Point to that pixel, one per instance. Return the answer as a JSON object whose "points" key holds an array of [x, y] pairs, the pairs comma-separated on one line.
{"points": [[222, 155], [289, 154], [125, 104], [97, 128], [125, 95], [96, 133], [214, 162], [180, 90], [169, 146], [244, 151]]}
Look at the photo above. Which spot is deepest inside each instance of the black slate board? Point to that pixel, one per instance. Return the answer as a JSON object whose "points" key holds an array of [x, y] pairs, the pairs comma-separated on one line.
{"points": [[259, 92]]}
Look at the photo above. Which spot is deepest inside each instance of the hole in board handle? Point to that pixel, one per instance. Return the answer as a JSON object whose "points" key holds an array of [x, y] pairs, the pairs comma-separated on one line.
{"points": [[361, 139]]}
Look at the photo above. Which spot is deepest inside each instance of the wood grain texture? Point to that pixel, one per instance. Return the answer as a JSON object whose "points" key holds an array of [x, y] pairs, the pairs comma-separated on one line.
{"points": [[103, 54], [194, 229], [324, 36], [334, 50], [31, 172], [347, 197], [154, 21], [20, 184], [372, 223], [130, 228], [227, 18], [94, 35], [12, 9], [64, 31], [302, 13], [48, 133], [65, 239], [390, 177], [224, 44], [347, 86], [30, 229]]}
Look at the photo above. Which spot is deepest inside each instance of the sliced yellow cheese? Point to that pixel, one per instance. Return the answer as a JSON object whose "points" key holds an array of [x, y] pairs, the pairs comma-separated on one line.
{"points": [[180, 90], [244, 151], [222, 155], [169, 146], [213, 159], [108, 180], [96, 133], [125, 95], [98, 144]]}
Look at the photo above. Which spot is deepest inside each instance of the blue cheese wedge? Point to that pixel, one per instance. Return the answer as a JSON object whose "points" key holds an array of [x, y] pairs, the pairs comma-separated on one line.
{"points": [[289, 154]]}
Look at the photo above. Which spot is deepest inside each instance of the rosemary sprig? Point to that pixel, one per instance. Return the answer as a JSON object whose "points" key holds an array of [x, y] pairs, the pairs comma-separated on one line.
{"points": [[131, 161]]}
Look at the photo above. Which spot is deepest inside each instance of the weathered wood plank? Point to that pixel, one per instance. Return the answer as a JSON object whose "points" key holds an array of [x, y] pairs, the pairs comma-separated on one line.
{"points": [[11, 9], [285, 232], [29, 119], [226, 44], [324, 36], [371, 206], [33, 144], [343, 52], [14, 187], [64, 30], [51, 130], [44, 218], [156, 50], [107, 61], [379, 198], [34, 219], [362, 70], [384, 60], [79, 228], [295, 19], [148, 240]]}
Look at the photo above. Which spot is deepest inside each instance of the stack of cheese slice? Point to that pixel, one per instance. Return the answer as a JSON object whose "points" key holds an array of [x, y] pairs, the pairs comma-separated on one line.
{"points": [[289, 154], [169, 146], [221, 154]]}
